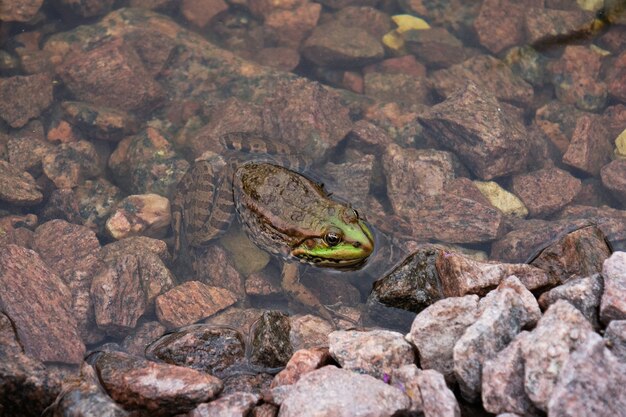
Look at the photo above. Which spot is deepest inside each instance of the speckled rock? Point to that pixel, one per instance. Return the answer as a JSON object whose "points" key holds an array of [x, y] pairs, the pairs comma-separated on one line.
{"points": [[237, 404], [18, 187], [271, 346], [616, 78], [16, 230], [218, 351], [591, 383], [140, 215], [437, 328], [215, 267], [615, 338], [24, 97], [69, 164], [435, 47], [546, 190], [27, 146], [302, 362], [291, 27], [375, 353], [200, 13], [508, 203], [375, 21], [405, 378], [330, 391], [137, 244], [280, 57], [613, 305], [528, 63], [613, 177], [252, 383], [609, 220], [190, 302], [84, 8], [161, 389], [143, 335], [500, 24], [437, 398], [39, 304], [584, 293], [21, 11], [543, 25], [487, 138], [590, 148], [309, 331], [99, 122], [557, 121], [560, 330], [406, 90]]}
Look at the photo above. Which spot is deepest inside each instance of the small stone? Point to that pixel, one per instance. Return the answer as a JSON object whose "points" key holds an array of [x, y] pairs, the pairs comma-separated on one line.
{"points": [[140, 384], [543, 24], [590, 148], [557, 121], [22, 11], [620, 145], [18, 187], [27, 146], [614, 178], [613, 305], [437, 328], [406, 22], [505, 201], [437, 399], [200, 13], [406, 90], [244, 254], [189, 302], [546, 190], [374, 353], [309, 331], [435, 47], [99, 122], [615, 338], [24, 97], [584, 293], [252, 383], [271, 346], [500, 24], [140, 215], [230, 405], [375, 21], [302, 362], [290, 27], [144, 334], [138, 244], [616, 78], [280, 57], [70, 164], [84, 8], [405, 378], [528, 63], [215, 267]]}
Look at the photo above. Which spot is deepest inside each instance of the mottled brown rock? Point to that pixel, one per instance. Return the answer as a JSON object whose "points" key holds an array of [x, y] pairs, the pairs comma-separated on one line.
{"points": [[615, 338], [138, 245], [404, 89], [331, 290], [613, 305], [161, 389], [335, 45], [99, 122], [144, 334], [140, 215], [614, 178], [271, 345], [616, 78], [437, 398], [215, 267], [280, 57], [21, 11], [557, 121], [490, 75], [545, 191], [70, 164], [375, 21], [84, 8], [500, 25], [302, 362], [110, 75], [27, 146], [309, 331], [487, 138], [547, 25], [190, 302], [38, 303], [18, 187], [590, 148], [200, 13], [234, 404], [353, 179], [435, 47], [16, 230], [24, 97], [250, 383], [290, 27], [584, 293]]}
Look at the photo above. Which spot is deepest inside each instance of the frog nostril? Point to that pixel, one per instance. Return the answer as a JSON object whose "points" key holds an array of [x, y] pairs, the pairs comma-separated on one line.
{"points": [[357, 244]]}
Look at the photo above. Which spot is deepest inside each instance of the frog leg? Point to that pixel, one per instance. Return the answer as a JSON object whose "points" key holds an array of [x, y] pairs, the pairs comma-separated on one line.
{"points": [[297, 291]]}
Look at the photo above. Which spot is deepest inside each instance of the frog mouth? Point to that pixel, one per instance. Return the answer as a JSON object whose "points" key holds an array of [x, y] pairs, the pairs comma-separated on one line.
{"points": [[330, 263]]}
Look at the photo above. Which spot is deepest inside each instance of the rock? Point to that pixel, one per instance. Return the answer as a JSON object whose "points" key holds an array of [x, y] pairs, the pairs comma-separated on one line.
{"points": [[527, 63], [579, 253], [242, 253], [546, 190], [12, 232], [583, 293], [264, 410], [335, 45], [557, 121], [405, 378], [83, 8], [434, 47], [500, 25], [230, 405], [616, 78], [27, 146], [331, 290], [69, 164], [20, 12], [613, 176], [110, 75], [24, 97], [437, 328], [437, 398], [508, 203], [126, 288], [615, 338], [590, 148], [302, 362], [375, 353], [281, 58], [503, 381], [140, 215], [252, 383], [406, 90], [144, 334], [271, 347], [98, 122], [610, 221], [309, 331], [139, 384], [560, 331], [545, 25], [38, 304], [330, 391], [613, 305], [375, 21], [290, 27], [138, 244], [215, 267], [18, 187], [503, 84], [214, 350], [147, 163], [590, 365], [504, 312], [191, 301], [488, 139], [200, 13]]}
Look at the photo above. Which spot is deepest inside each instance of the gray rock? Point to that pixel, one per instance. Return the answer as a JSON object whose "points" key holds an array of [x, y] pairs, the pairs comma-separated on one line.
{"points": [[615, 338], [437, 328], [561, 330], [237, 404], [376, 352], [405, 379], [613, 305], [590, 384], [437, 399], [271, 346], [334, 392]]}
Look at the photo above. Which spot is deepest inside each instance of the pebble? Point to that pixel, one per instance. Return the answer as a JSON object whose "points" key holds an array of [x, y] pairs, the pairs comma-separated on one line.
{"points": [[140, 215], [546, 190], [613, 175], [237, 404], [24, 97], [613, 304], [590, 146], [584, 293], [300, 363], [615, 338], [18, 187], [505, 201]]}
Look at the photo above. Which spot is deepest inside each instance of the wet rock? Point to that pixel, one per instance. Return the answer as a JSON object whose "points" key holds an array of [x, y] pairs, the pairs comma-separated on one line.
{"points": [[613, 305], [615, 338], [38, 303], [437, 328], [610, 221], [309, 331], [506, 202], [253, 383], [375, 353], [503, 381], [557, 121], [560, 331], [161, 389], [302, 362], [492, 142], [22, 11], [500, 25], [335, 45], [375, 21], [24, 97], [98, 122], [264, 410], [126, 288], [214, 350], [243, 253], [110, 75], [590, 148], [580, 253], [406, 90], [140, 215], [82, 396], [271, 346], [27, 146], [147, 163], [18, 187], [330, 391], [332, 290], [590, 365], [405, 378], [200, 13], [502, 83], [505, 311], [434, 47], [527, 63], [230, 405], [139, 245], [616, 78], [437, 398], [190, 302], [215, 267], [144, 334], [84, 8], [546, 190], [547, 25], [281, 58], [290, 27], [261, 284], [613, 177], [69, 164], [583, 293], [12, 232]]}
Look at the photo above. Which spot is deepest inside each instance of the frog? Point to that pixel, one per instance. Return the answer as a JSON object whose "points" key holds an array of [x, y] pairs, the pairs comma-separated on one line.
{"points": [[282, 211]]}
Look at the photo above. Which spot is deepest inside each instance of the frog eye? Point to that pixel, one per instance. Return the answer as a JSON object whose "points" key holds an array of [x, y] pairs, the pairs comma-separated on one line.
{"points": [[333, 237]]}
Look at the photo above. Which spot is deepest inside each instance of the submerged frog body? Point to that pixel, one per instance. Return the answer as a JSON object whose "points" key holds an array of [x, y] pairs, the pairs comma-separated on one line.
{"points": [[282, 212]]}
